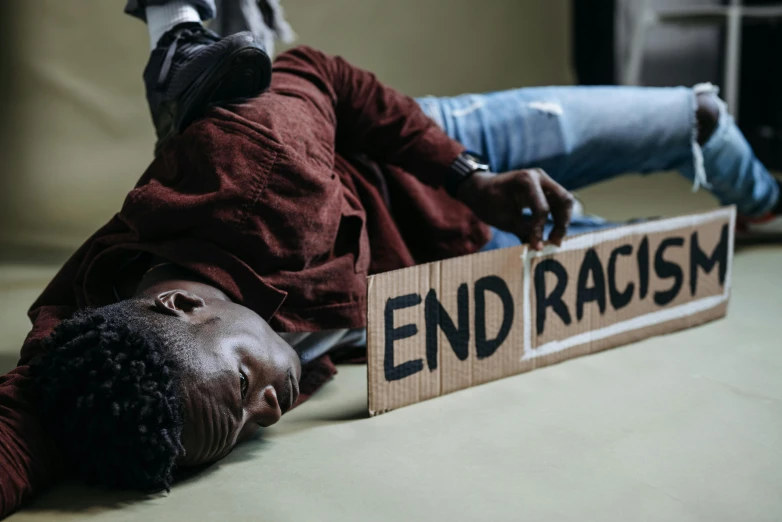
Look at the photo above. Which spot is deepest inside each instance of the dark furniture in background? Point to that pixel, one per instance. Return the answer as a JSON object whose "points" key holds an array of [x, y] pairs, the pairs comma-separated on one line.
{"points": [[594, 41], [761, 89], [760, 99]]}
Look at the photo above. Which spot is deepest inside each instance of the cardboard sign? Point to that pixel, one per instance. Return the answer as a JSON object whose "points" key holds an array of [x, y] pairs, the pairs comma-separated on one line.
{"points": [[441, 327]]}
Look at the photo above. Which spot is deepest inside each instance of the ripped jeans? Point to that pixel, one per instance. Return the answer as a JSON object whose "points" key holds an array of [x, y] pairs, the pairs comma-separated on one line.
{"points": [[584, 135]]}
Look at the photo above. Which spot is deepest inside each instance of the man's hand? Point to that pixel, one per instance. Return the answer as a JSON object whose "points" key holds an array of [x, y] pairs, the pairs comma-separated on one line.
{"points": [[499, 200]]}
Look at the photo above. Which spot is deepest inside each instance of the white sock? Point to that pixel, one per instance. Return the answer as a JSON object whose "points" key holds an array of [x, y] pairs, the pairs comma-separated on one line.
{"points": [[163, 18]]}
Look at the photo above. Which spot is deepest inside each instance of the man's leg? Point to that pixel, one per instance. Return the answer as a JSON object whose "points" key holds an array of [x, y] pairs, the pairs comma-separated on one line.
{"points": [[583, 135], [190, 67]]}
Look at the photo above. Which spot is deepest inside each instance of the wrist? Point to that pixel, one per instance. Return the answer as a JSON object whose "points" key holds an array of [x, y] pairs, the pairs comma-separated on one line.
{"points": [[471, 186], [463, 168]]}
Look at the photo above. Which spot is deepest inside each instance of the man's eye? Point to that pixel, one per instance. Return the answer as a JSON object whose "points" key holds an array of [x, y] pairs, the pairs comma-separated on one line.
{"points": [[243, 384]]}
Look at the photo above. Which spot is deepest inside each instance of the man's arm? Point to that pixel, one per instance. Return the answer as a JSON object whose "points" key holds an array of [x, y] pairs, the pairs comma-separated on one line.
{"points": [[371, 118], [28, 460], [26, 457]]}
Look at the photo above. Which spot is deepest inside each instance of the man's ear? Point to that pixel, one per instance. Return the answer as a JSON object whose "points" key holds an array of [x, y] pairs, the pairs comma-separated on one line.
{"points": [[177, 302]]}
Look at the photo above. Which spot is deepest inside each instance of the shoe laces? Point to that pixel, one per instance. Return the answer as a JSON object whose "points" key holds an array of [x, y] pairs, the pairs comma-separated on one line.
{"points": [[188, 36]]}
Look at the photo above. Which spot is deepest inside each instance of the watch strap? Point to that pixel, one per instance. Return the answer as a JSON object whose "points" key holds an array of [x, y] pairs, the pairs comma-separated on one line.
{"points": [[465, 165]]}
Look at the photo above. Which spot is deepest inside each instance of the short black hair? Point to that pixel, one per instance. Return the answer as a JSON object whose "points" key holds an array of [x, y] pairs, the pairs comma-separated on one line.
{"points": [[110, 393]]}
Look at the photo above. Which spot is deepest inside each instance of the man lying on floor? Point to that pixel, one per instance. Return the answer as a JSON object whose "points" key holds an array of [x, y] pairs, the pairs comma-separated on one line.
{"points": [[212, 303]]}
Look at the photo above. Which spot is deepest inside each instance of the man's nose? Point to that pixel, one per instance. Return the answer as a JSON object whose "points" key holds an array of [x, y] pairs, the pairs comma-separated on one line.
{"points": [[269, 411]]}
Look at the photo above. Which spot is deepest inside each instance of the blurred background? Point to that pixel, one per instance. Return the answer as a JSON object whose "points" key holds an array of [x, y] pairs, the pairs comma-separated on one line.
{"points": [[76, 133]]}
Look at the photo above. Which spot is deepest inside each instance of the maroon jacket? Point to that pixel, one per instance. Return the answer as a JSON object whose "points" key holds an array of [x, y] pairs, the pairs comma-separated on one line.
{"points": [[286, 203]]}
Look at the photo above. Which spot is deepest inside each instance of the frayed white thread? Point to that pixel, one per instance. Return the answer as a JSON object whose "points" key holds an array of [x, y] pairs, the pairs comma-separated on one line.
{"points": [[547, 107], [700, 179], [700, 170], [467, 110], [706, 87]]}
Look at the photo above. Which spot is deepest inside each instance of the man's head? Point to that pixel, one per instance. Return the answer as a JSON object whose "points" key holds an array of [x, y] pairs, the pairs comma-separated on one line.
{"points": [[134, 389]]}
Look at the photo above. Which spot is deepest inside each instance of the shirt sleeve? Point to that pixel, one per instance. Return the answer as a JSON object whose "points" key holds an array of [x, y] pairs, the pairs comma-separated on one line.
{"points": [[371, 118], [28, 460], [26, 457]]}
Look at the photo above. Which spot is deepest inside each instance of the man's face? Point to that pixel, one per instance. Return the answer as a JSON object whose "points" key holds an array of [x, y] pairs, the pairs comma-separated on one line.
{"points": [[241, 375]]}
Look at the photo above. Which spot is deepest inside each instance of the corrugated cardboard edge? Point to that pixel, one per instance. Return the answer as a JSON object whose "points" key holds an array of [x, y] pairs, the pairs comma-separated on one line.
{"points": [[718, 311], [371, 363]]}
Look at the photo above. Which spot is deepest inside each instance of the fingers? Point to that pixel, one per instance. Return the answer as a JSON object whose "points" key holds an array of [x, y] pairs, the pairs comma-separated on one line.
{"points": [[560, 201], [532, 196], [540, 210], [520, 202], [542, 195]]}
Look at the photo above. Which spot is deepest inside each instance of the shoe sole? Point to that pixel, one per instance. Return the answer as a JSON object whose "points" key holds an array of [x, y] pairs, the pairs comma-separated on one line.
{"points": [[244, 73]]}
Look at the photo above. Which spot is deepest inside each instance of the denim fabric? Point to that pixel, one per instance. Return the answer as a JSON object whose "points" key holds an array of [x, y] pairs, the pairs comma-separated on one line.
{"points": [[584, 135]]}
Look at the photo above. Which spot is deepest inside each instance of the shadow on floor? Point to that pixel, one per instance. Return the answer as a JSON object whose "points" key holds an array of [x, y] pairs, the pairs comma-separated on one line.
{"points": [[77, 497], [745, 244]]}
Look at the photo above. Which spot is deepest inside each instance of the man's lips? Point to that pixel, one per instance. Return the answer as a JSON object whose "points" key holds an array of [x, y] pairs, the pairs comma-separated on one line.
{"points": [[290, 393], [294, 387]]}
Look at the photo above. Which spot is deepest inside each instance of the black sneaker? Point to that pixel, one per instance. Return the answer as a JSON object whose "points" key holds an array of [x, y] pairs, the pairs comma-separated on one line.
{"points": [[192, 68]]}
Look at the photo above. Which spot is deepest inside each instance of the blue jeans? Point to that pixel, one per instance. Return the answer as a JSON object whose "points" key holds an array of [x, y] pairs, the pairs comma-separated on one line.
{"points": [[584, 135]]}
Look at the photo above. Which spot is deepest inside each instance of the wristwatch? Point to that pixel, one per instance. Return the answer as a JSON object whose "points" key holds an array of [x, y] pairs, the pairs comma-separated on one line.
{"points": [[465, 165]]}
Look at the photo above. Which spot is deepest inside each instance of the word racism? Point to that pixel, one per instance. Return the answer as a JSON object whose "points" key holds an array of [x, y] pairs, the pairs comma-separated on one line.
{"points": [[437, 328]]}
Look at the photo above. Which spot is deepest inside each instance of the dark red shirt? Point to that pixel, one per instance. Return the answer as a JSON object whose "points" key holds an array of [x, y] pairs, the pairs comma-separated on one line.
{"points": [[285, 202]]}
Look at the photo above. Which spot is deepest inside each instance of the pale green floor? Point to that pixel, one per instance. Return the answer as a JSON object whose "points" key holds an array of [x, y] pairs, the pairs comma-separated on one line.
{"points": [[682, 427]]}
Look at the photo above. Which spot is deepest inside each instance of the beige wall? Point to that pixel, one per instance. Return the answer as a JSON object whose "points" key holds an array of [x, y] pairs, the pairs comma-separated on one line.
{"points": [[77, 134]]}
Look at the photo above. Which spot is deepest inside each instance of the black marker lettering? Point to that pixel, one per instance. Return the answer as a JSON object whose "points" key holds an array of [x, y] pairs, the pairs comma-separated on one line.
{"points": [[643, 268], [585, 294], [553, 300], [666, 269], [406, 369], [619, 299], [436, 315], [698, 258], [486, 347]]}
